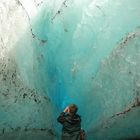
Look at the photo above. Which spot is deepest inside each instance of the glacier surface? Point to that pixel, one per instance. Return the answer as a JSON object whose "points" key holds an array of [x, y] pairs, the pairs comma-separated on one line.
{"points": [[56, 52]]}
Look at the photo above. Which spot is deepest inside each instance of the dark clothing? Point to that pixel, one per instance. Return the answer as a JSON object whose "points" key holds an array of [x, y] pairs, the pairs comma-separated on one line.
{"points": [[74, 137], [71, 126]]}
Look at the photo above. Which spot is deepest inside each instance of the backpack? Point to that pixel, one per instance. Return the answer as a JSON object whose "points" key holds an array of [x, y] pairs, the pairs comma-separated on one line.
{"points": [[82, 134]]}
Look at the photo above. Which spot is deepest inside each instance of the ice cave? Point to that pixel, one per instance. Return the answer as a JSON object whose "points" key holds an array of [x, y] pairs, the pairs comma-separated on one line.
{"points": [[57, 52]]}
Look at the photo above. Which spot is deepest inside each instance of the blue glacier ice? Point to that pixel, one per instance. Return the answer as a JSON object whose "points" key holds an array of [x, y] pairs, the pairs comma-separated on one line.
{"points": [[53, 53]]}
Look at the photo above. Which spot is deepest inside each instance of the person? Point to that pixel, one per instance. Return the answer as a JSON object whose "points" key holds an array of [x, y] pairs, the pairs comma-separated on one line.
{"points": [[71, 123]]}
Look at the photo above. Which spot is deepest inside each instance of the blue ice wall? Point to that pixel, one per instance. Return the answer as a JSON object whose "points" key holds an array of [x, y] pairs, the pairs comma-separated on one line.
{"points": [[79, 36], [25, 112], [86, 52]]}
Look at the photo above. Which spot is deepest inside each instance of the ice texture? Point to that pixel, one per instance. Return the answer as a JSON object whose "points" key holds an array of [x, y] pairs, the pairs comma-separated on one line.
{"points": [[57, 52]]}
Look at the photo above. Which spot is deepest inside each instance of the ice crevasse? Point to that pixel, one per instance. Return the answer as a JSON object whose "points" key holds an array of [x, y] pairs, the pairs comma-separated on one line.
{"points": [[53, 53]]}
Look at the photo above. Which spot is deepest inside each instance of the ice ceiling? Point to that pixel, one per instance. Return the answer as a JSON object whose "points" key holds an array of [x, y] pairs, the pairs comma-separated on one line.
{"points": [[57, 52]]}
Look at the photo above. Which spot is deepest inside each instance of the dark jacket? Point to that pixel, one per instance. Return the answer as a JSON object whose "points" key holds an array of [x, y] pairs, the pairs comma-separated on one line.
{"points": [[71, 126]]}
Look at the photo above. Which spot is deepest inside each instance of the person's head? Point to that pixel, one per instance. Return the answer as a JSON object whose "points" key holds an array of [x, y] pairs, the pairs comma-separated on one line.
{"points": [[73, 109]]}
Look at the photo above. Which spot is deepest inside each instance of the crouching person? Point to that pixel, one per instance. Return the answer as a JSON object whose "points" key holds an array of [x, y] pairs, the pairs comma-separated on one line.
{"points": [[71, 122]]}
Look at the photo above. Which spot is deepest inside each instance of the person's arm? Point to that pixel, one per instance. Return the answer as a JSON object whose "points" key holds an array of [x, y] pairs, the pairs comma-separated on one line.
{"points": [[61, 119]]}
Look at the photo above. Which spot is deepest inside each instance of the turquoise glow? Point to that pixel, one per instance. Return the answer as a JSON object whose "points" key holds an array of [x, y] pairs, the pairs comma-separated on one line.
{"points": [[86, 52]]}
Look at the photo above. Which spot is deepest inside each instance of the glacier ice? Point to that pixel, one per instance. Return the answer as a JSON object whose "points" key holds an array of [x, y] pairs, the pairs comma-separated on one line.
{"points": [[56, 52]]}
